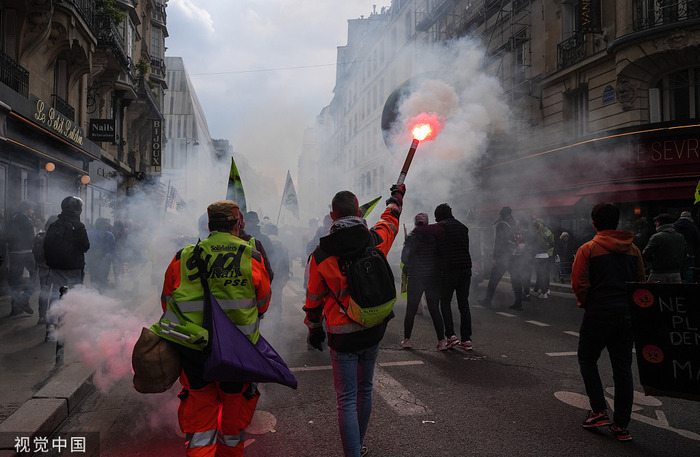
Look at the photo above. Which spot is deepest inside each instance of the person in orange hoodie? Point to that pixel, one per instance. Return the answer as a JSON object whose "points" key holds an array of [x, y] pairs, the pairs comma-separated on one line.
{"points": [[353, 348], [601, 269]]}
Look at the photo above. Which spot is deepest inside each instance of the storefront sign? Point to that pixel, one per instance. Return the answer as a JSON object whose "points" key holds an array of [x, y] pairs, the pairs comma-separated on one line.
{"points": [[56, 122], [666, 322], [589, 15], [102, 130], [666, 151], [156, 145]]}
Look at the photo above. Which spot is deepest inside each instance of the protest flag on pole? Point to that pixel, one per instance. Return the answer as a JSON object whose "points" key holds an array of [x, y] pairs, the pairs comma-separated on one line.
{"points": [[235, 187], [289, 197], [369, 206]]}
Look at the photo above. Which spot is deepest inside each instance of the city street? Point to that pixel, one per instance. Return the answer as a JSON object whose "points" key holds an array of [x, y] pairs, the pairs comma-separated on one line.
{"points": [[518, 393]]}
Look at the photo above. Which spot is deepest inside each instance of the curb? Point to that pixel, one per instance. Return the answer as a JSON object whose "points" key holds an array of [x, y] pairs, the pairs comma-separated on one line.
{"points": [[48, 408]]}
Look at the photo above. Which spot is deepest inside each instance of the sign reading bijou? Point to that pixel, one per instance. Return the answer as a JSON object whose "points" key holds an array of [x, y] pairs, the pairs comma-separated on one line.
{"points": [[102, 130], [156, 145], [666, 322]]}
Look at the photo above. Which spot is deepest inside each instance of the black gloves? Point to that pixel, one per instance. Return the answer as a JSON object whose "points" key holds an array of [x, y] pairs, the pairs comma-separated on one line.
{"points": [[316, 338], [397, 193]]}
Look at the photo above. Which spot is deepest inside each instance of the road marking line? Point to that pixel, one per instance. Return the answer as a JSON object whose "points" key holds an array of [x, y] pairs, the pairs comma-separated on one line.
{"points": [[318, 368], [539, 324], [560, 354], [397, 396], [569, 332], [505, 314], [399, 364]]}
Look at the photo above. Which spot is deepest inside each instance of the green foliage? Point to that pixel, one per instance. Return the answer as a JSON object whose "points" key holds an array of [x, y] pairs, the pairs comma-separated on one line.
{"points": [[109, 8], [142, 68]]}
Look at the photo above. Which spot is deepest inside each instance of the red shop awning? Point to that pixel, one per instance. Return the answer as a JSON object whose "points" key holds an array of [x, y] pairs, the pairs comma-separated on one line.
{"points": [[637, 192]]}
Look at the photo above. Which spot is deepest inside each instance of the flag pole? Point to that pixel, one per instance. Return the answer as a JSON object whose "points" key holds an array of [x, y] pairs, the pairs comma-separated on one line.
{"points": [[279, 212]]}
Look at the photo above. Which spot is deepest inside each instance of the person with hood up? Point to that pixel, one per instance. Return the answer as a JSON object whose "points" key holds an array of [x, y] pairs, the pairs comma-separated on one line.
{"points": [[505, 259], [421, 258], [65, 245], [456, 269], [665, 251], [353, 348], [601, 269]]}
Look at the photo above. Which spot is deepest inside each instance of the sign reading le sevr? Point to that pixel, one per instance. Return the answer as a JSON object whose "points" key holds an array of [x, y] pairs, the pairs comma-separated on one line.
{"points": [[102, 130], [666, 323]]}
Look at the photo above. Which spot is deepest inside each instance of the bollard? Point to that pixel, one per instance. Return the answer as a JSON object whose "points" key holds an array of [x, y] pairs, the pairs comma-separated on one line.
{"points": [[50, 329]]}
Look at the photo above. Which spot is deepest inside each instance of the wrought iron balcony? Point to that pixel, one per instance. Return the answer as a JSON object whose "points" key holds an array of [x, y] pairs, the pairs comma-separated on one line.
{"points": [[108, 35], [648, 14], [14, 75], [571, 51], [85, 7], [63, 107], [158, 67]]}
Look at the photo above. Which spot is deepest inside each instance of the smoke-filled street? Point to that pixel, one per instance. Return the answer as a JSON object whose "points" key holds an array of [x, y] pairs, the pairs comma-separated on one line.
{"points": [[519, 392]]}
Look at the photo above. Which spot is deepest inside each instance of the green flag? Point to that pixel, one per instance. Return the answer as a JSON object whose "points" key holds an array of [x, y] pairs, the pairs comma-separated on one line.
{"points": [[235, 187], [697, 193], [369, 206]]}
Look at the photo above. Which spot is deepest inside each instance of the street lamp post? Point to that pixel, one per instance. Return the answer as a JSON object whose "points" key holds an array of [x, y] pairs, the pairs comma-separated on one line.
{"points": [[194, 143]]}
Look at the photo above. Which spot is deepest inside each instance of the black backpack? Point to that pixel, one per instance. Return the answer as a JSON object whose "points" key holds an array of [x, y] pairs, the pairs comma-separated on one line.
{"points": [[38, 248], [59, 245], [371, 286]]}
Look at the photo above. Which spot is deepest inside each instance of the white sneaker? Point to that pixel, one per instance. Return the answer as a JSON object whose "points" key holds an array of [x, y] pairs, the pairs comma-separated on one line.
{"points": [[406, 344], [545, 294], [452, 341]]}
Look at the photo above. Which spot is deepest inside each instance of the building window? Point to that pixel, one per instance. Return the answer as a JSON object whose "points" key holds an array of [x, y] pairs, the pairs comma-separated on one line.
{"points": [[8, 32], [577, 103], [3, 191], [61, 78], [570, 18], [156, 43], [676, 96], [409, 24]]}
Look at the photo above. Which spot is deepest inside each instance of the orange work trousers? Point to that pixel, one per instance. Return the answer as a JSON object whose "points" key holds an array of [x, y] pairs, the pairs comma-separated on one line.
{"points": [[214, 417]]}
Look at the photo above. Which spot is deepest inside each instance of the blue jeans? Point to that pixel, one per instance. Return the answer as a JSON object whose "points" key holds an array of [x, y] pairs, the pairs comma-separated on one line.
{"points": [[615, 334], [353, 375]]}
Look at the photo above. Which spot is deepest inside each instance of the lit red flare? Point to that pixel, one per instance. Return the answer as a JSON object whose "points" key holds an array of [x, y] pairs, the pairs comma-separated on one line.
{"points": [[421, 132], [423, 127]]}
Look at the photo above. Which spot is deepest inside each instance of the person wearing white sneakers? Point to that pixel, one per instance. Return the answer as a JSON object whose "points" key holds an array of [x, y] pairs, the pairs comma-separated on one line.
{"points": [[456, 265]]}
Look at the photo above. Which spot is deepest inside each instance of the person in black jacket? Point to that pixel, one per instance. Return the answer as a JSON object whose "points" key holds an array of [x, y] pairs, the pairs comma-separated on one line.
{"points": [[456, 266], [420, 256], [65, 245], [20, 239], [686, 227]]}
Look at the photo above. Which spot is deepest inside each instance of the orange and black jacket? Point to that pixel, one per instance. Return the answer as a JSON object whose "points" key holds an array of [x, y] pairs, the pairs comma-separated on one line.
{"points": [[325, 276], [601, 269]]}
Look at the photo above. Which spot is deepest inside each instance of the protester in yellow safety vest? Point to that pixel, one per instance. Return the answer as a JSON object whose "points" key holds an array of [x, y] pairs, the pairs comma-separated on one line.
{"points": [[214, 415]]}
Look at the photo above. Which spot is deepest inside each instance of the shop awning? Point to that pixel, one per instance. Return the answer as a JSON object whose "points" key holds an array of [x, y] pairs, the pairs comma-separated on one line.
{"points": [[540, 205], [632, 192]]}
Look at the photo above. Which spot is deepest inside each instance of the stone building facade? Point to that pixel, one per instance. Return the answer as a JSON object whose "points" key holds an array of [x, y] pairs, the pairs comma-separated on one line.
{"points": [[81, 85], [603, 97]]}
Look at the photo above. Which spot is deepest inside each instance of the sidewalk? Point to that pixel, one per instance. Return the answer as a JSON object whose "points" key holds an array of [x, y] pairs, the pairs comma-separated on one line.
{"points": [[36, 396]]}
